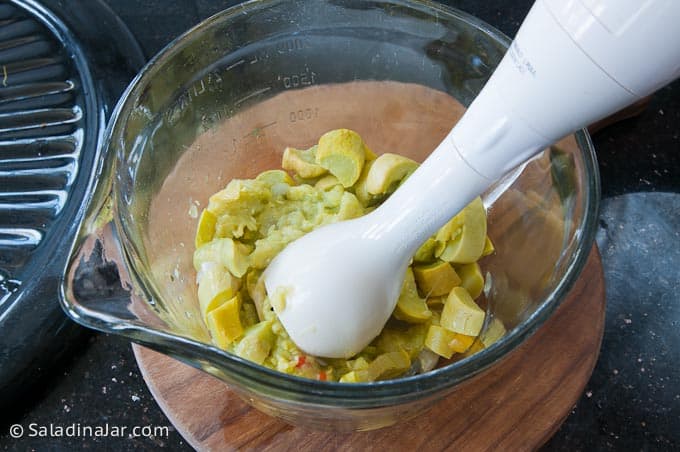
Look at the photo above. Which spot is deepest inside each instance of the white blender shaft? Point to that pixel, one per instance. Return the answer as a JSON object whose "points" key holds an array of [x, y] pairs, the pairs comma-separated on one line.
{"points": [[573, 62]]}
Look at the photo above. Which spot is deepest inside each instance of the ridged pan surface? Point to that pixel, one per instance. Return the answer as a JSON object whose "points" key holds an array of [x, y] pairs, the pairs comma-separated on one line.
{"points": [[62, 67], [42, 120]]}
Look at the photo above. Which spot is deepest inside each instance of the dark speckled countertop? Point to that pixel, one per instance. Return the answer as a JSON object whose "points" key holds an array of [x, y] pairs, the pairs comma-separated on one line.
{"points": [[632, 401]]}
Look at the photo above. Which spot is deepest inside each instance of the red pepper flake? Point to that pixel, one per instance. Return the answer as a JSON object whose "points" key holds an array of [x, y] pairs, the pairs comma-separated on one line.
{"points": [[300, 361], [322, 375]]}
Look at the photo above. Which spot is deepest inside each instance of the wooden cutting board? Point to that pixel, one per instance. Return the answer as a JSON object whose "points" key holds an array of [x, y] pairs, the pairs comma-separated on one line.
{"points": [[517, 405]]}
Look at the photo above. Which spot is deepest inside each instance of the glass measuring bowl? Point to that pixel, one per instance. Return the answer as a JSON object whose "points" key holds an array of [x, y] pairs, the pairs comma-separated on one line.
{"points": [[223, 100]]}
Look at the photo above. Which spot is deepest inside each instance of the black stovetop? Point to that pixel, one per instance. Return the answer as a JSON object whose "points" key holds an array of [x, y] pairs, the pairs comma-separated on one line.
{"points": [[631, 402]]}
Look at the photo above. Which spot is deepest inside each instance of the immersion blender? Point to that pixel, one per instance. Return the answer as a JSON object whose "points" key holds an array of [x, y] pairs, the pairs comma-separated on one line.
{"points": [[572, 62]]}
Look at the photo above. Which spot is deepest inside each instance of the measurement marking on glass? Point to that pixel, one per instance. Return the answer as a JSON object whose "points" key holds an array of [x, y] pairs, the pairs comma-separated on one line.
{"points": [[232, 66], [253, 94], [292, 45], [281, 48], [303, 114], [258, 132], [305, 78], [209, 83]]}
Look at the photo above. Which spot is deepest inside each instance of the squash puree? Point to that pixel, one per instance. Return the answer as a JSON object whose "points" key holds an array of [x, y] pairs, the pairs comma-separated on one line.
{"points": [[250, 221]]}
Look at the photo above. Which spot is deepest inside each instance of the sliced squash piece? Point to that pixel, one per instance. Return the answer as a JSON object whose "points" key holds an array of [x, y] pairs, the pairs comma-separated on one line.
{"points": [[256, 291], [488, 247], [342, 152], [445, 342], [410, 340], [438, 340], [224, 322], [273, 177], [387, 172], [476, 346], [302, 162], [471, 278], [410, 307], [257, 342], [249, 315], [206, 228], [386, 365], [435, 279], [462, 239], [237, 193], [427, 360], [461, 314], [350, 207], [494, 331], [359, 187], [327, 182], [351, 377], [370, 155], [215, 286], [460, 343], [425, 253], [226, 252]]}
